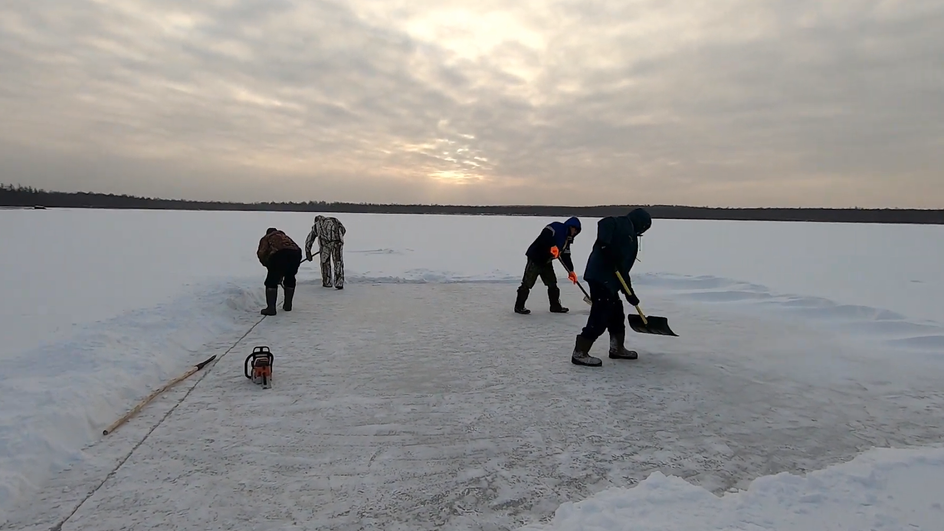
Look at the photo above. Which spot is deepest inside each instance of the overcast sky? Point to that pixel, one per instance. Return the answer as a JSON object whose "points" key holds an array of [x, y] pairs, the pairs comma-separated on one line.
{"points": [[721, 102]]}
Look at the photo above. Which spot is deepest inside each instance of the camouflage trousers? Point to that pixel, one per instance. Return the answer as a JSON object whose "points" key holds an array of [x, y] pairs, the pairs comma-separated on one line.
{"points": [[533, 271], [545, 272], [332, 251]]}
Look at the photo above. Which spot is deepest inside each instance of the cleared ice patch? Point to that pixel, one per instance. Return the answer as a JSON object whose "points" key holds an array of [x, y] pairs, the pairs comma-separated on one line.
{"points": [[883, 489], [876, 325]]}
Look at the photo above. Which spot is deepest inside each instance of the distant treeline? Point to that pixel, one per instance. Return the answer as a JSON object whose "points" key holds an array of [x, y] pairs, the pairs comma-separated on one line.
{"points": [[26, 196]]}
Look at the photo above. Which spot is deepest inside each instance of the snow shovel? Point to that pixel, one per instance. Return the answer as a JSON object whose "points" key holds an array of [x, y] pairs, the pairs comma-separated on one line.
{"points": [[646, 325], [586, 296]]}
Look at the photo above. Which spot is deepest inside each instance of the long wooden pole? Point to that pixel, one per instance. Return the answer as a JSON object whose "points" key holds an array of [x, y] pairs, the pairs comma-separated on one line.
{"points": [[150, 397]]}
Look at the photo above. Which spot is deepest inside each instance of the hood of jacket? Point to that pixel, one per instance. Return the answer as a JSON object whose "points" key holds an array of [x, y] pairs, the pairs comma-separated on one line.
{"points": [[573, 222], [640, 219]]}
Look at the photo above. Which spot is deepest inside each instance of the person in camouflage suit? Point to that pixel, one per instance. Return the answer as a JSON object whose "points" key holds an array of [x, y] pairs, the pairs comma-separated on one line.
{"points": [[281, 256], [330, 234]]}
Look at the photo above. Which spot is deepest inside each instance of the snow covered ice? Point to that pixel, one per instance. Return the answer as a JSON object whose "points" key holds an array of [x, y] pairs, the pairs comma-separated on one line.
{"points": [[416, 399]]}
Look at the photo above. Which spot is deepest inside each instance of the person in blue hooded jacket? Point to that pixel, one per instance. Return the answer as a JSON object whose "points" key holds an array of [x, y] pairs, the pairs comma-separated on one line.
{"points": [[553, 242], [615, 249]]}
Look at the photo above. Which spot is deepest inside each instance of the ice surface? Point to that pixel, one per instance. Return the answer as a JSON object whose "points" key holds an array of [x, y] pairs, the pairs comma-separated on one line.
{"points": [[437, 407], [787, 362]]}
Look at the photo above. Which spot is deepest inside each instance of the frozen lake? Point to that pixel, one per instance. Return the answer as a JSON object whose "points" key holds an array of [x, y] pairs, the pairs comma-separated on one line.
{"points": [[416, 398]]}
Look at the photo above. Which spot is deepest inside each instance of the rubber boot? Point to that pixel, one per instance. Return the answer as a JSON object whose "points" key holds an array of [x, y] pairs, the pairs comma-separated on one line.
{"points": [[553, 296], [519, 302], [289, 295], [581, 354], [617, 350], [272, 294]]}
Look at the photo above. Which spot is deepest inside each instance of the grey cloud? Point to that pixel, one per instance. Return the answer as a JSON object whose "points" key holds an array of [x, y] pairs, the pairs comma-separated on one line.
{"points": [[735, 103]]}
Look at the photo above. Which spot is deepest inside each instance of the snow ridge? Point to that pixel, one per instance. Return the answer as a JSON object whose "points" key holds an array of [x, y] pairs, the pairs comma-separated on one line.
{"points": [[882, 489], [67, 392]]}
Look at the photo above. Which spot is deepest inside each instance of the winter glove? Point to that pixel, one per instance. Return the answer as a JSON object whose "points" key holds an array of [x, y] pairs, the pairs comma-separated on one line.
{"points": [[572, 276], [632, 299], [555, 252], [308, 256]]}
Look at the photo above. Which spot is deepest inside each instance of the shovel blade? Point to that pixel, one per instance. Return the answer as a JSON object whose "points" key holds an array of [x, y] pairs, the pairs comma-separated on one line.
{"points": [[654, 325]]}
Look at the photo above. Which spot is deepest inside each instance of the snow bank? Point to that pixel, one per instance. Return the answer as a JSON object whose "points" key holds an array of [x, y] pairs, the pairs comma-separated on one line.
{"points": [[883, 489], [57, 398]]}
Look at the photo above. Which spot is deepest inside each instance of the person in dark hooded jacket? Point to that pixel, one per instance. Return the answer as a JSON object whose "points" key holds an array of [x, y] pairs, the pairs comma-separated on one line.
{"points": [[553, 242], [615, 249]]}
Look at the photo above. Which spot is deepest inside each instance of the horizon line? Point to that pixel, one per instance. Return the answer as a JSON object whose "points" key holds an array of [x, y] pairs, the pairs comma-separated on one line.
{"points": [[11, 188]]}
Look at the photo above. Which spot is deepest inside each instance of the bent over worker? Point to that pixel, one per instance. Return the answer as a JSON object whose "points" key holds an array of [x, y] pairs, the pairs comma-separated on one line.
{"points": [[613, 256], [281, 256], [553, 242]]}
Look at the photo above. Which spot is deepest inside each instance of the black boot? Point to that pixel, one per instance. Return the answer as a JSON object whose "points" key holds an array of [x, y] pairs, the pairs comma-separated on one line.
{"points": [[289, 295], [272, 294], [581, 354], [617, 350], [519, 302], [553, 295]]}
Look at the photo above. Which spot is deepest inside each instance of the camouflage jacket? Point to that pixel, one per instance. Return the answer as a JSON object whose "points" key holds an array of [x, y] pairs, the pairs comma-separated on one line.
{"points": [[272, 243], [328, 229]]}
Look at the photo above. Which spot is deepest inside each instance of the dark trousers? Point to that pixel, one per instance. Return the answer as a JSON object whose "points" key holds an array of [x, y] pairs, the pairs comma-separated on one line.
{"points": [[282, 268], [606, 312]]}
